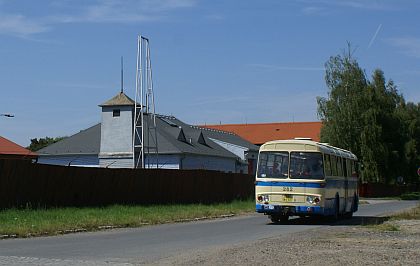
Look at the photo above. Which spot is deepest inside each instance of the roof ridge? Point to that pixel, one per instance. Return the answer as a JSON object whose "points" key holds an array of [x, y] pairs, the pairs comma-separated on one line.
{"points": [[212, 130], [271, 123]]}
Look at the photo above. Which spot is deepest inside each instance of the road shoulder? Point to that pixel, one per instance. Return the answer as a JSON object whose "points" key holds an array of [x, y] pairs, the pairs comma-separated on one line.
{"points": [[396, 243]]}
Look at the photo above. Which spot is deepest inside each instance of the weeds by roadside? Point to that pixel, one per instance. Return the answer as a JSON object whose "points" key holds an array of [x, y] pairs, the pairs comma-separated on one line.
{"points": [[392, 224], [412, 214], [411, 196], [34, 222]]}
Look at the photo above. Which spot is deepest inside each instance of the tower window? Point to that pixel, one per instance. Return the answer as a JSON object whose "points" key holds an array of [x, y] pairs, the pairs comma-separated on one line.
{"points": [[116, 112]]}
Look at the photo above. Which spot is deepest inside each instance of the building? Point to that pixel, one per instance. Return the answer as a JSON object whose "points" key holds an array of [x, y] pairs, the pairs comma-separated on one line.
{"points": [[180, 146], [258, 134], [116, 140], [80, 149], [11, 150]]}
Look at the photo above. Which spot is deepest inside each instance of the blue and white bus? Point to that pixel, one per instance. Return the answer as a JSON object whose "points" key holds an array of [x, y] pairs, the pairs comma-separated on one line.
{"points": [[301, 177]]}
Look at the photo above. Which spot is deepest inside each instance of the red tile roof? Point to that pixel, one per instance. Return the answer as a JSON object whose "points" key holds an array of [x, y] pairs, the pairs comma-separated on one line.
{"points": [[261, 133], [11, 149]]}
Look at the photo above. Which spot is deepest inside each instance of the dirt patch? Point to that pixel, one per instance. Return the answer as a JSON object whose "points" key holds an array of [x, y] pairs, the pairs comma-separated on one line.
{"points": [[393, 243]]}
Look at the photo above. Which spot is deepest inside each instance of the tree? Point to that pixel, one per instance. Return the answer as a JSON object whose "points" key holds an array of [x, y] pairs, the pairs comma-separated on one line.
{"points": [[37, 144], [369, 118], [409, 114], [342, 111]]}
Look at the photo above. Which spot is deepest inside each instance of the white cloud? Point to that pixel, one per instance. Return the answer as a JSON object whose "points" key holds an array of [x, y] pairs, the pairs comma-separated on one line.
{"points": [[103, 11], [220, 100], [357, 4], [215, 17], [124, 11], [312, 10], [19, 25], [409, 46], [289, 68]]}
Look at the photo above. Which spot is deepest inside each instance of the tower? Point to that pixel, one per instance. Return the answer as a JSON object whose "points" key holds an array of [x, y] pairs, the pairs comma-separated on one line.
{"points": [[144, 146], [116, 130]]}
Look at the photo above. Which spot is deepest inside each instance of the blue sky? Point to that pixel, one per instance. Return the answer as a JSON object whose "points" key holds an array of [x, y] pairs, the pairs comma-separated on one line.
{"points": [[213, 61]]}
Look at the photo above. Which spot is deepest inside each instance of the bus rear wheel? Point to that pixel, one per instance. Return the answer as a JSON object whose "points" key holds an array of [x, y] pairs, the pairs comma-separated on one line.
{"points": [[336, 214], [354, 207]]}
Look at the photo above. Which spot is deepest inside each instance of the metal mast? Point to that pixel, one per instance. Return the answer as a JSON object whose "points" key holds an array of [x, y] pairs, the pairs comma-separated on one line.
{"points": [[145, 146]]}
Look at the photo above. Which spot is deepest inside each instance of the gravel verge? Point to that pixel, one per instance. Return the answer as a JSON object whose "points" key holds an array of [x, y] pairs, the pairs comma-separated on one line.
{"points": [[393, 243]]}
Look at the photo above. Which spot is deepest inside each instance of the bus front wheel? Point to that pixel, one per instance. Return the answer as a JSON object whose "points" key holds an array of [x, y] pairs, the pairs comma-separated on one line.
{"points": [[279, 218]]}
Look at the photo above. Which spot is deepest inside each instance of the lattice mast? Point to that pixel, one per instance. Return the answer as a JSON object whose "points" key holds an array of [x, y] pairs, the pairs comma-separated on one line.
{"points": [[145, 145]]}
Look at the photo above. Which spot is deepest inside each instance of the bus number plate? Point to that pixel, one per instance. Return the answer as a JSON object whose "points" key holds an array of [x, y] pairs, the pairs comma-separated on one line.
{"points": [[288, 198]]}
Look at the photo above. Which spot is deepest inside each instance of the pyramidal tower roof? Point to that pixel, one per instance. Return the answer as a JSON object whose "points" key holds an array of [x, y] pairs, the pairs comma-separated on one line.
{"points": [[118, 100]]}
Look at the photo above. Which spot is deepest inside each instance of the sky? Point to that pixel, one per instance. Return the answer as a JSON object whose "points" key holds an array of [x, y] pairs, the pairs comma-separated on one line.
{"points": [[215, 61]]}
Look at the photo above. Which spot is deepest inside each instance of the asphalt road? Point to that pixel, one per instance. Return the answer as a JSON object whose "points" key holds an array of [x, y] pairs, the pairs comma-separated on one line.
{"points": [[147, 244]]}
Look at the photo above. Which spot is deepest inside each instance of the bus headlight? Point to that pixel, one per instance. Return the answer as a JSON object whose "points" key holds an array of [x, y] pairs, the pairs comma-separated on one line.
{"points": [[313, 200], [263, 198]]}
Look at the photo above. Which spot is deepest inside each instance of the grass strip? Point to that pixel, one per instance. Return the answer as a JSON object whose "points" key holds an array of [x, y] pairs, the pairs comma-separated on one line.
{"points": [[35, 222], [390, 225], [411, 214]]}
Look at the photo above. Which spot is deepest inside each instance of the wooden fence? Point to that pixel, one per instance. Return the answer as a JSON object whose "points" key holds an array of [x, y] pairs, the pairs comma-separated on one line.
{"points": [[385, 190], [23, 183]]}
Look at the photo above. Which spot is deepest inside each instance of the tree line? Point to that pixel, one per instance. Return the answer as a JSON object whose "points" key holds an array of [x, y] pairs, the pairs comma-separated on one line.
{"points": [[37, 144], [372, 119]]}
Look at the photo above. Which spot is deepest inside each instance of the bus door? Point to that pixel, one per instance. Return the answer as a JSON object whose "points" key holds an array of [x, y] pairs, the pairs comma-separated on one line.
{"points": [[279, 162], [264, 169]]}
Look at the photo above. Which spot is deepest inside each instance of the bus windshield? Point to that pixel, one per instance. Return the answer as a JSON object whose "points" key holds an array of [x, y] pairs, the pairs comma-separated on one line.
{"points": [[273, 164], [306, 165]]}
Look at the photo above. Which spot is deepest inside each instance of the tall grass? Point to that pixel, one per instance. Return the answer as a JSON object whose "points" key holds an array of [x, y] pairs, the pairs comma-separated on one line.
{"points": [[411, 214], [32, 222], [390, 225]]}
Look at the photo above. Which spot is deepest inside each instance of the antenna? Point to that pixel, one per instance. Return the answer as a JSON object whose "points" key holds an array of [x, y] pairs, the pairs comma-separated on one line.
{"points": [[122, 75], [145, 146]]}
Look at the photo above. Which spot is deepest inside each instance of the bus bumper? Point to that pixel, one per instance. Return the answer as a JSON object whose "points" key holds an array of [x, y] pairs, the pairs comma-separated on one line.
{"points": [[289, 210]]}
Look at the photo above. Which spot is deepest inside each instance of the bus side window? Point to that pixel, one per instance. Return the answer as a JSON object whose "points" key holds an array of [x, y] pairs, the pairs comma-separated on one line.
{"points": [[354, 171], [345, 167], [349, 163], [327, 164], [339, 167], [334, 165]]}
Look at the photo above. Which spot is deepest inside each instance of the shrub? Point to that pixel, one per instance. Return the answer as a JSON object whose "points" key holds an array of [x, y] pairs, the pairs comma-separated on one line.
{"points": [[411, 196]]}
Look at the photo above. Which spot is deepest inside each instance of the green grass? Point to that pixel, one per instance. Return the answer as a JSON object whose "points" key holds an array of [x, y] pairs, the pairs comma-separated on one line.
{"points": [[411, 196], [34, 222]]}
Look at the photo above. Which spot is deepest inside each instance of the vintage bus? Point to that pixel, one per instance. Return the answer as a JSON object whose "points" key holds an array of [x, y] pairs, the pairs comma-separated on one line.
{"points": [[301, 177]]}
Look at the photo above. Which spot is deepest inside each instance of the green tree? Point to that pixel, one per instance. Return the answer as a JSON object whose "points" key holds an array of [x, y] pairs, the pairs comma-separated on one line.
{"points": [[384, 100], [37, 144], [409, 114], [342, 111], [369, 118]]}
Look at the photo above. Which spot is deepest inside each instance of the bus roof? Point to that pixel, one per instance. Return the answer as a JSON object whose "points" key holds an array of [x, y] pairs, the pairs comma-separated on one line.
{"points": [[306, 145]]}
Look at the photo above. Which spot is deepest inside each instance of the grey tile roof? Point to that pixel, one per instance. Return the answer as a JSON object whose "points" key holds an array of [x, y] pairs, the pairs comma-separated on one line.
{"points": [[85, 142], [170, 135], [197, 139]]}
